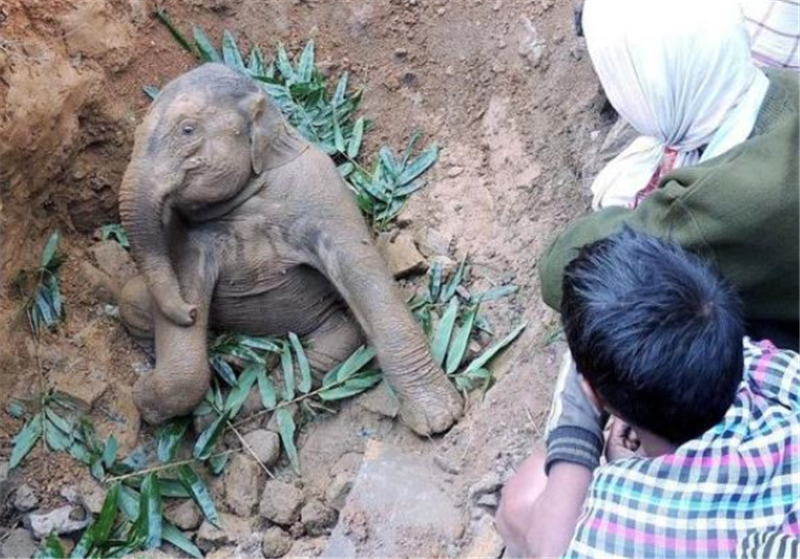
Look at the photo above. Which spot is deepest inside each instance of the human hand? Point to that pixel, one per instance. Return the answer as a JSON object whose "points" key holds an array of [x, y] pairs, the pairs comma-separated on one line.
{"points": [[622, 442]]}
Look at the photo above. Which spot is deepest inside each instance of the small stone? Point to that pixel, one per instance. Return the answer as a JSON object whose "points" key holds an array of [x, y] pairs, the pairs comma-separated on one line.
{"points": [[489, 501], [379, 400], [275, 543], [576, 53], [297, 530], [114, 260], [433, 242], [401, 255], [454, 171], [82, 390], [223, 553], [450, 71], [337, 491], [185, 515], [91, 495], [440, 11], [446, 465], [281, 503], [490, 483], [241, 484], [249, 548], [486, 542], [400, 52], [233, 530], [25, 499], [317, 518], [63, 520], [265, 444], [19, 543]]}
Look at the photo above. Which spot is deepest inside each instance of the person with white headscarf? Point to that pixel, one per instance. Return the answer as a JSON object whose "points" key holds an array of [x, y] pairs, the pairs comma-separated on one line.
{"points": [[716, 166]]}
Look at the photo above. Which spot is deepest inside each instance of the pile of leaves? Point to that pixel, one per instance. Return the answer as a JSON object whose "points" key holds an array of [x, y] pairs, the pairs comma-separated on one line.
{"points": [[41, 291], [328, 120]]}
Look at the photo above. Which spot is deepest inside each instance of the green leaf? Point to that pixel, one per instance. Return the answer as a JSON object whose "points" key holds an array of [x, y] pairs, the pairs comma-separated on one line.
{"points": [[337, 134], [50, 249], [419, 165], [269, 398], [168, 439], [224, 370], [302, 362], [207, 51], [458, 347], [16, 409], [176, 34], [345, 169], [218, 463], [239, 393], [51, 549], [256, 63], [284, 66], [173, 488], [305, 67], [150, 511], [43, 308], [230, 52], [177, 538], [495, 293], [110, 451], [441, 340], [102, 527], [199, 493], [435, 282], [260, 343], [151, 91], [26, 439], [452, 285], [204, 447], [389, 164], [341, 90], [84, 545], [412, 143], [357, 361], [287, 430], [354, 385], [116, 230], [96, 468], [287, 368], [354, 147], [480, 361], [129, 502]]}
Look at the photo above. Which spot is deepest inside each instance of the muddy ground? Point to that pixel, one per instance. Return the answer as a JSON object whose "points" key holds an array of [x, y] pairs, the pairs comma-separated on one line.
{"points": [[518, 124]]}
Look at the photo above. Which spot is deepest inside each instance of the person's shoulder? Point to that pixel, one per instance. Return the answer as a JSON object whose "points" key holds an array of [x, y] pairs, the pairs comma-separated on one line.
{"points": [[773, 372], [781, 101]]}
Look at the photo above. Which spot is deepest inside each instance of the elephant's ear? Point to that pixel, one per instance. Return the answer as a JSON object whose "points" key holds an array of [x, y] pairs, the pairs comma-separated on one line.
{"points": [[259, 132]]}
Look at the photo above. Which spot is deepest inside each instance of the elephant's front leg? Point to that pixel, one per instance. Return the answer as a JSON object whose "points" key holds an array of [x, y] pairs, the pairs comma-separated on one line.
{"points": [[429, 402], [182, 375]]}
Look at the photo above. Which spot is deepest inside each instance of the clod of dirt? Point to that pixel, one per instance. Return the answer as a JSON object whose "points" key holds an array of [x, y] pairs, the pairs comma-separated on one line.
{"points": [[488, 484], [275, 543], [82, 390], [432, 242], [281, 502], [379, 400], [486, 542], [317, 518], [250, 547], [63, 520], [102, 286], [19, 543], [337, 491], [114, 260], [25, 499], [401, 255], [185, 515], [265, 444], [241, 484], [233, 529], [88, 493]]}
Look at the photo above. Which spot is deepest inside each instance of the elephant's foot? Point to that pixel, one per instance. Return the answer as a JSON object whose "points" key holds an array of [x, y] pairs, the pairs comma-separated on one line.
{"points": [[432, 408]]}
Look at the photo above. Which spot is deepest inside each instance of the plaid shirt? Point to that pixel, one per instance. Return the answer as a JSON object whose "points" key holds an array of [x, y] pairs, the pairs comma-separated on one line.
{"points": [[774, 28], [706, 498]]}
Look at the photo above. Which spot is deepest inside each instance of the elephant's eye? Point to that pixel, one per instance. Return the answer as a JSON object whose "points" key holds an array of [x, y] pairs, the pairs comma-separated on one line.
{"points": [[187, 129]]}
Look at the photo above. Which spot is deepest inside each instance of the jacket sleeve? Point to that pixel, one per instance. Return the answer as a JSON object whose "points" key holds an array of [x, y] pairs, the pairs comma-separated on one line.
{"points": [[662, 214]]}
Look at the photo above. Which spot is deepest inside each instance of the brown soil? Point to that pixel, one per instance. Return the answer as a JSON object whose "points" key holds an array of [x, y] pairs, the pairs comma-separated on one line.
{"points": [[515, 135]]}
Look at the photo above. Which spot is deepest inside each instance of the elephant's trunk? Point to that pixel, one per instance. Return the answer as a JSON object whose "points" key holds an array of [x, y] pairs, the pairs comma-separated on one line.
{"points": [[143, 203]]}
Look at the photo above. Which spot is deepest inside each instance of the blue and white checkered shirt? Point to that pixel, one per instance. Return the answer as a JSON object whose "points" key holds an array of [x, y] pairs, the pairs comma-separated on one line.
{"points": [[742, 476]]}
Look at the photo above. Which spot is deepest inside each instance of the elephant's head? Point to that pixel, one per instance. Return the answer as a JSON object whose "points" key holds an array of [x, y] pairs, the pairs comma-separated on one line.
{"points": [[207, 136]]}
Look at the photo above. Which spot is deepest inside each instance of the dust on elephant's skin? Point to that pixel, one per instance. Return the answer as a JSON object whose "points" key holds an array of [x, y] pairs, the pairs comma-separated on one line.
{"points": [[237, 222]]}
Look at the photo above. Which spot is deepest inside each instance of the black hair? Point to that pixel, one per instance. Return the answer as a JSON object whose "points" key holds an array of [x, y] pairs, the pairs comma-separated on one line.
{"points": [[655, 331]]}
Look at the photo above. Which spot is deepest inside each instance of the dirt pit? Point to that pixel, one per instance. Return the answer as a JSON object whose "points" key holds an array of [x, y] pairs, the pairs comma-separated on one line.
{"points": [[507, 92]]}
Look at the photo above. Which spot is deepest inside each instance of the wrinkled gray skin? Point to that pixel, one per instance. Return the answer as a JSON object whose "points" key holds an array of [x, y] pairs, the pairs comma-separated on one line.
{"points": [[237, 223]]}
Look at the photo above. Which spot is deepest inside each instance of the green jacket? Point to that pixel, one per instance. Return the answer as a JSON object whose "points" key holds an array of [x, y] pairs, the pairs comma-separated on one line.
{"points": [[739, 209]]}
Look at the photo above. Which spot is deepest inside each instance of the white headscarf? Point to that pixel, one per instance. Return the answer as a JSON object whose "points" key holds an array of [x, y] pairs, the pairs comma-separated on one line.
{"points": [[680, 72]]}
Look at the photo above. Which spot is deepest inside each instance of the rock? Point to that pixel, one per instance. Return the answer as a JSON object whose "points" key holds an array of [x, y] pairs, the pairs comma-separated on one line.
{"points": [[265, 444], [490, 483], [233, 530], [185, 515], [486, 542], [19, 543], [114, 260], [103, 286], [489, 501], [275, 543], [63, 520], [249, 548], [446, 465], [25, 499], [91, 495], [337, 491], [241, 484], [82, 390], [401, 255], [317, 518], [281, 502], [379, 400]]}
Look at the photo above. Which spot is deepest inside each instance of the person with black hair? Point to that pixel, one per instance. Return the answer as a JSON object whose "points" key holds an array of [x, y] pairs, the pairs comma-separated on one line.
{"points": [[703, 448]]}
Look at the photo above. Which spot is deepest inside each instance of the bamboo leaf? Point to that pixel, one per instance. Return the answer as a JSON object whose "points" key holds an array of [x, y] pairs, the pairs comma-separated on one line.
{"points": [[102, 527], [168, 439], [25, 440], [218, 463], [84, 545], [338, 137], [495, 293], [224, 370], [230, 52], [305, 67], [287, 367], [207, 51], [240, 392], [389, 164], [150, 511], [151, 91], [341, 90], [52, 549], [283, 65], [419, 165], [269, 398], [458, 347], [177, 538], [354, 147], [480, 361], [287, 430], [199, 493], [173, 488], [353, 386], [357, 361], [302, 362], [259, 343], [204, 446], [452, 285], [256, 63], [110, 451], [50, 249], [116, 230], [174, 31], [441, 340]]}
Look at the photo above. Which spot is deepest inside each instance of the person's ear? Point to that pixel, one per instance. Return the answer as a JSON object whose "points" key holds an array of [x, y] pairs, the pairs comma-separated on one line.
{"points": [[255, 107]]}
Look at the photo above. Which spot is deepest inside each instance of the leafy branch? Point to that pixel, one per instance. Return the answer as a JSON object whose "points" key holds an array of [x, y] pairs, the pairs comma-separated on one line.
{"points": [[43, 303]]}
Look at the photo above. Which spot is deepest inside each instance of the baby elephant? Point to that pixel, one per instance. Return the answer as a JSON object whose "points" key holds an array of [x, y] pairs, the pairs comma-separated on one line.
{"points": [[238, 223]]}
